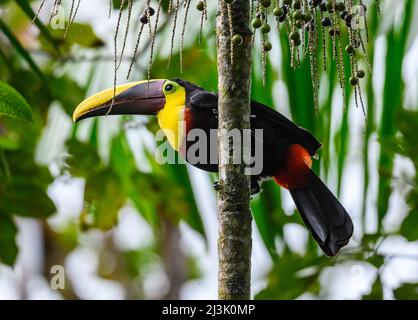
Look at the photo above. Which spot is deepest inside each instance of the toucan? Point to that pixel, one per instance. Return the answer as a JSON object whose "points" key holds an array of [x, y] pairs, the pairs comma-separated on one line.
{"points": [[287, 148]]}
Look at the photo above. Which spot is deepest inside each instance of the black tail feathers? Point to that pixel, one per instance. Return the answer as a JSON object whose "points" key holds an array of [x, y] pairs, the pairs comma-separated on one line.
{"points": [[326, 218]]}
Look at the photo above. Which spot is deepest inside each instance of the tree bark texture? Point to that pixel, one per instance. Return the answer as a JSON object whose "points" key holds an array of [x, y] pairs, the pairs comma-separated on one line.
{"points": [[234, 86]]}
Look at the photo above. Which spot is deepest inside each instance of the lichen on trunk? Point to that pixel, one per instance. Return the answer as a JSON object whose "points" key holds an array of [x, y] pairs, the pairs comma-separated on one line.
{"points": [[234, 86]]}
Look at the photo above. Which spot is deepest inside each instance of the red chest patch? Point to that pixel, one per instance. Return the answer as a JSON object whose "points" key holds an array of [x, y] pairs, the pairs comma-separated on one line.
{"points": [[296, 172], [187, 126]]}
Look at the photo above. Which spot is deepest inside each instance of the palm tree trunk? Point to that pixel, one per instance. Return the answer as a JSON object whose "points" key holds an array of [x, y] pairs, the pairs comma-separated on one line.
{"points": [[234, 86]]}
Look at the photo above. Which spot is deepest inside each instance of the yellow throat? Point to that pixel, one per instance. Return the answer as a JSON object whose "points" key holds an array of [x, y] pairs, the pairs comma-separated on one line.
{"points": [[171, 117]]}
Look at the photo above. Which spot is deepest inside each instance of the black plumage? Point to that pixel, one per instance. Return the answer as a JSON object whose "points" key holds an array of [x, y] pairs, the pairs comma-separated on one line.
{"points": [[323, 214]]}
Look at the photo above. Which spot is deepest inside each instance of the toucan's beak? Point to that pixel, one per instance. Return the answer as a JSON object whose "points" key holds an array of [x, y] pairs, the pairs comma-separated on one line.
{"points": [[142, 98]]}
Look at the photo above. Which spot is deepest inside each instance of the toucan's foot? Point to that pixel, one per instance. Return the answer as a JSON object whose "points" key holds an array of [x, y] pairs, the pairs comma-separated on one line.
{"points": [[217, 186], [255, 187]]}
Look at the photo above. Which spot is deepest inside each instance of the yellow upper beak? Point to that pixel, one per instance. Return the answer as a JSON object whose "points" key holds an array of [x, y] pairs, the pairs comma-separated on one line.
{"points": [[124, 98]]}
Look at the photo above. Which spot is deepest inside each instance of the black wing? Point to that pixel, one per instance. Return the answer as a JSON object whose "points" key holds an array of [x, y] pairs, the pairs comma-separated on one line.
{"points": [[203, 99], [209, 101], [299, 135]]}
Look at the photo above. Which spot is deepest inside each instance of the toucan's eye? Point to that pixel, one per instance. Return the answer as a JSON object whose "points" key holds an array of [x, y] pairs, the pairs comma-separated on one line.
{"points": [[169, 87]]}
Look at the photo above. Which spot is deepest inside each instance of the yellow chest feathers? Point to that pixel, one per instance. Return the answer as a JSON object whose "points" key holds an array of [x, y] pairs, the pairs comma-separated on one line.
{"points": [[171, 118]]}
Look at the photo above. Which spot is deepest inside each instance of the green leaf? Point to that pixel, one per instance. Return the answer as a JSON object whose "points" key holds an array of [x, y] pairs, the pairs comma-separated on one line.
{"points": [[289, 278], [406, 146], [192, 217], [370, 124], [136, 185], [71, 96], [392, 102], [369, 240], [8, 246], [104, 198], [104, 195], [84, 160], [268, 213], [376, 292], [408, 291], [343, 134], [78, 33], [28, 201], [376, 260], [143, 198], [409, 226], [13, 104], [23, 186], [407, 122], [267, 210]]}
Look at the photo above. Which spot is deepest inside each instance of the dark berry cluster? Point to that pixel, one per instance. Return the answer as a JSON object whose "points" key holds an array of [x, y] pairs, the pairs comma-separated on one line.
{"points": [[308, 22], [149, 12]]}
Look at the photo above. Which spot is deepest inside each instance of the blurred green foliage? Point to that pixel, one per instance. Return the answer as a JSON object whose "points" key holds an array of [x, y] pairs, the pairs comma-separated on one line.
{"points": [[405, 145]]}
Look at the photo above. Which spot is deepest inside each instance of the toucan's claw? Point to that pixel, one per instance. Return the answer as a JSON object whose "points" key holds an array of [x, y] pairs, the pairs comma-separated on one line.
{"points": [[217, 186], [255, 188]]}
